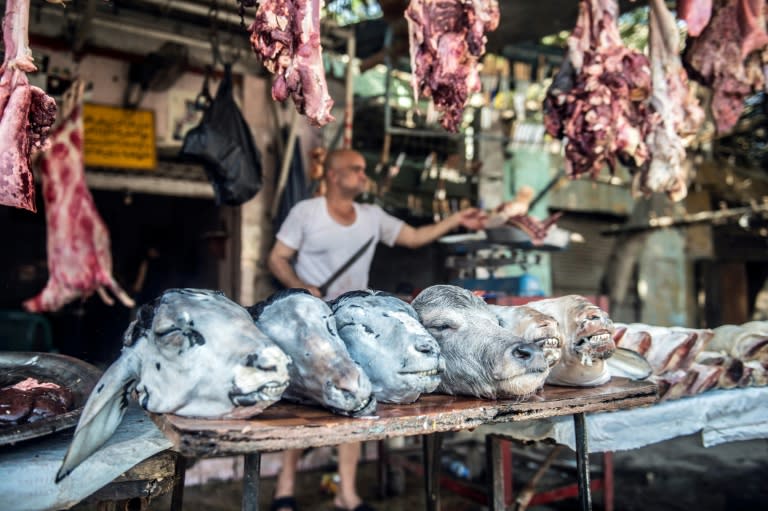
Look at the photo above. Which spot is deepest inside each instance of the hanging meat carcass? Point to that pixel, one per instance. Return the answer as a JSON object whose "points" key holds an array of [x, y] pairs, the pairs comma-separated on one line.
{"points": [[79, 257], [286, 35], [447, 39], [751, 17], [599, 98], [27, 112], [695, 13], [727, 57], [680, 113]]}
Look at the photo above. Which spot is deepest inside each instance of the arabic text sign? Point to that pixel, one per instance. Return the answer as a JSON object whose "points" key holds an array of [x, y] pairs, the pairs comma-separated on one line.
{"points": [[119, 138]]}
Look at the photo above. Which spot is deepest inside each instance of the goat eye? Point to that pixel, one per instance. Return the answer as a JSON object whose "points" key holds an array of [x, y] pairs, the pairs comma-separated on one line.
{"points": [[441, 327]]}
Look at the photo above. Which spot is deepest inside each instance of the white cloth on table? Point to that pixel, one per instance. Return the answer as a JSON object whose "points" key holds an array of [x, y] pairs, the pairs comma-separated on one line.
{"points": [[28, 469], [720, 415]]}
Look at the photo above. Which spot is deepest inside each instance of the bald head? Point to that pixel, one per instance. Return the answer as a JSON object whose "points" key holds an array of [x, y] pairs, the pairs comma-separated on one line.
{"points": [[340, 158], [345, 173]]}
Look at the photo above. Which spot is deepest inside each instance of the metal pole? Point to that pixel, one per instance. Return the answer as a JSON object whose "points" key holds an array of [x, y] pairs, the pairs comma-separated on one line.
{"points": [[180, 470], [431, 449], [495, 461], [582, 462], [396, 130], [350, 90], [384, 159], [285, 166], [383, 468], [526, 494], [251, 481]]}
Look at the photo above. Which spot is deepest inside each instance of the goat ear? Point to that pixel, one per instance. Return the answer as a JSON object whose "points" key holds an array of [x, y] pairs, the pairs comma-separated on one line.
{"points": [[102, 412], [629, 364]]}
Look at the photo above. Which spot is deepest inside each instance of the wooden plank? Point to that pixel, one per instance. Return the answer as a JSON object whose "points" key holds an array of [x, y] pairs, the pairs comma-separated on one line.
{"points": [[291, 426], [150, 478]]}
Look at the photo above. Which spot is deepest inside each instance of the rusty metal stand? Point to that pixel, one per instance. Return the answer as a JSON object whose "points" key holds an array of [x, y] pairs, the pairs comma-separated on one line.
{"points": [[607, 481], [251, 481], [523, 500], [494, 454]]}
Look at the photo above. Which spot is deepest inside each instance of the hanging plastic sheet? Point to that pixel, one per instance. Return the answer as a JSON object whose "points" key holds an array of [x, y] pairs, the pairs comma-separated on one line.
{"points": [[223, 142]]}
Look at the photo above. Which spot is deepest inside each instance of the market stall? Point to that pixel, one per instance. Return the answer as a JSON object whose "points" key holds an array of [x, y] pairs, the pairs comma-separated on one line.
{"points": [[292, 426], [284, 224]]}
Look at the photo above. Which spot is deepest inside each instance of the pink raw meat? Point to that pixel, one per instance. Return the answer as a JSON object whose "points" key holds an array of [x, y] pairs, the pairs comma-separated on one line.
{"points": [[79, 256]]}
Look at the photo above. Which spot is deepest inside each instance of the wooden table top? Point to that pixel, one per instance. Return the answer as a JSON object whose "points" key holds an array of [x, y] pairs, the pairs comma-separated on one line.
{"points": [[291, 426]]}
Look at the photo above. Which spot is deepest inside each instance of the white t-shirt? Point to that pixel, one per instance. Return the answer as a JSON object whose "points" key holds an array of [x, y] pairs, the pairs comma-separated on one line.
{"points": [[323, 245]]}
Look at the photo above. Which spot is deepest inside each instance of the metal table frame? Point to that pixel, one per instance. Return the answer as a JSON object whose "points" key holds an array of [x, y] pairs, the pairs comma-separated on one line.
{"points": [[288, 426]]}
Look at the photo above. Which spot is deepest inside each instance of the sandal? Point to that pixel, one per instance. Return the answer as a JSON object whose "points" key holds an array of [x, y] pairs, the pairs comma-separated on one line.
{"points": [[360, 507], [283, 503]]}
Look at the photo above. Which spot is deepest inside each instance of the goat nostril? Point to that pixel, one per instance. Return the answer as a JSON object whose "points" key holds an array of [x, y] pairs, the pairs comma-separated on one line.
{"points": [[425, 348], [268, 367], [252, 360], [523, 352]]}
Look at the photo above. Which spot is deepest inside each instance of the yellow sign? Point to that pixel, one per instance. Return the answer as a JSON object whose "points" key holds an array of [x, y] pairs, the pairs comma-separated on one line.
{"points": [[119, 138]]}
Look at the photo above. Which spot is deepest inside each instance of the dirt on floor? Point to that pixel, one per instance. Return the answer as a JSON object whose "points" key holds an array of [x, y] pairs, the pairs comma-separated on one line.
{"points": [[678, 474]]}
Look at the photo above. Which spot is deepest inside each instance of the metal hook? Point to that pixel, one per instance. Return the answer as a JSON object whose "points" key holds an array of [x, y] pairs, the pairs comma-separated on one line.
{"points": [[213, 15], [234, 56], [204, 98]]}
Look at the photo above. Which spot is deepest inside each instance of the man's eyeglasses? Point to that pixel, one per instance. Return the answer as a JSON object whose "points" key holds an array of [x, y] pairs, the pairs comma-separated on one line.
{"points": [[354, 168]]}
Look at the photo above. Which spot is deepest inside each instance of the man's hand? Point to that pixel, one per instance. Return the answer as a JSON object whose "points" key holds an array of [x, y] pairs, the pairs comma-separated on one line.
{"points": [[314, 290], [279, 263], [472, 218]]}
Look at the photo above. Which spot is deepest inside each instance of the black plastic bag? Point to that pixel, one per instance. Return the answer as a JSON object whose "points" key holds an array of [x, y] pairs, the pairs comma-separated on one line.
{"points": [[223, 142]]}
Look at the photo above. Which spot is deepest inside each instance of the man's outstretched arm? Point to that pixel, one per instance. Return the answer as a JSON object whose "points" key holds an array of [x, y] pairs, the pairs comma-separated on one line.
{"points": [[415, 237]]}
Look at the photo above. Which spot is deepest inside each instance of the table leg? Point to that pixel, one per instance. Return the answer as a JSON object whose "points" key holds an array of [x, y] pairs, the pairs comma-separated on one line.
{"points": [[383, 467], [608, 481], [431, 449], [582, 462], [495, 460], [180, 472], [251, 470]]}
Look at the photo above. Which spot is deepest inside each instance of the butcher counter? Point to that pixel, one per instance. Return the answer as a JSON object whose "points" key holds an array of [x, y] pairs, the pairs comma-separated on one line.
{"points": [[289, 426], [285, 426]]}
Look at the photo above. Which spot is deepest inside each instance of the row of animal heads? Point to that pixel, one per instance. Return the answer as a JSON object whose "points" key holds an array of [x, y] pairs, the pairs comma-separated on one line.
{"points": [[196, 353]]}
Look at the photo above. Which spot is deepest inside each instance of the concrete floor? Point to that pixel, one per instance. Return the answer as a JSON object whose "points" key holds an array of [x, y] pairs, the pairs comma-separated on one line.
{"points": [[674, 475]]}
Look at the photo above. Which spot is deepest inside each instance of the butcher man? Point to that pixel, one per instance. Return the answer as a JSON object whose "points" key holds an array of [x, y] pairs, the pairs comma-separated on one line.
{"points": [[317, 237]]}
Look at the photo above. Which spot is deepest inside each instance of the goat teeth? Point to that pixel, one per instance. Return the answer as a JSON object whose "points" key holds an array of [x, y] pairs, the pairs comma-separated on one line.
{"points": [[362, 406], [599, 338]]}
